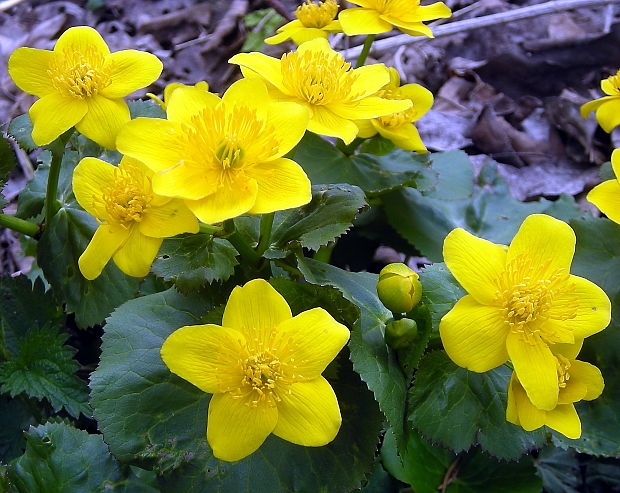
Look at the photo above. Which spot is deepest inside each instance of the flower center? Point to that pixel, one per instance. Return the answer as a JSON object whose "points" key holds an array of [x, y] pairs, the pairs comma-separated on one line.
{"points": [[315, 15], [79, 74], [396, 119], [128, 196], [319, 78], [563, 364], [261, 373]]}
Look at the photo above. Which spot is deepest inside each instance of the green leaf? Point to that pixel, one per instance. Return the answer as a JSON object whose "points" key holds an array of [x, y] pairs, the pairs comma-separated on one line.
{"points": [[15, 416], [32, 197], [264, 22], [146, 109], [8, 161], [193, 261], [459, 408], [60, 458], [44, 368], [440, 291], [374, 174], [137, 480], [559, 470], [20, 129], [329, 215]]}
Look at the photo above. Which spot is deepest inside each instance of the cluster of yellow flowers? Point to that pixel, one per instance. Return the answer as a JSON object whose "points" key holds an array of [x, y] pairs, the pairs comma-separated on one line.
{"points": [[524, 305]]}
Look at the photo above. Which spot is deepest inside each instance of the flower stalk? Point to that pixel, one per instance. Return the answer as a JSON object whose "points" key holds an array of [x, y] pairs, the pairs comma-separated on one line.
{"points": [[365, 50], [57, 148], [20, 225], [236, 240], [266, 225]]}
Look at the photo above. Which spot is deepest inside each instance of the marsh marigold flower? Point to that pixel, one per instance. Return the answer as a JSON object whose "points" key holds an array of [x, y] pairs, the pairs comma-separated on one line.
{"points": [[314, 20], [81, 84], [378, 16], [264, 368], [522, 300], [223, 156], [133, 221], [399, 127], [317, 78], [606, 196], [608, 107], [170, 88]]}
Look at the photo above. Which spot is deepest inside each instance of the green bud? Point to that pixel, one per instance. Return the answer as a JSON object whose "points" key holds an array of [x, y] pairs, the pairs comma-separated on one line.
{"points": [[399, 288], [400, 334]]}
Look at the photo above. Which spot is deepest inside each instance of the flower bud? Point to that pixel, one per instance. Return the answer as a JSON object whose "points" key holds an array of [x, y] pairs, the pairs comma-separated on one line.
{"points": [[399, 288], [400, 334]]}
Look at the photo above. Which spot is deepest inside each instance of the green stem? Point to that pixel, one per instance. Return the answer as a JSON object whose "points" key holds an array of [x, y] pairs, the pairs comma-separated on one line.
{"points": [[266, 225], [16, 224], [209, 229], [365, 50], [57, 149], [246, 252], [348, 149]]}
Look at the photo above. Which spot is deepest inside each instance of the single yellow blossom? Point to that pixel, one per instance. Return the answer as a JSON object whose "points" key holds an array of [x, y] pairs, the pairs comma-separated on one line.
{"points": [[170, 88], [223, 156], [399, 127], [606, 196], [81, 84], [608, 107], [522, 301], [314, 20], [133, 221], [264, 368], [399, 288], [576, 381], [319, 79], [378, 16]]}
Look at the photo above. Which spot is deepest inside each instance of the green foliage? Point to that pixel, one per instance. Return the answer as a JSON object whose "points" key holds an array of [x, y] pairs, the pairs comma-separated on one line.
{"points": [[60, 458], [15, 416], [263, 23], [559, 470], [459, 408], [440, 291], [20, 129]]}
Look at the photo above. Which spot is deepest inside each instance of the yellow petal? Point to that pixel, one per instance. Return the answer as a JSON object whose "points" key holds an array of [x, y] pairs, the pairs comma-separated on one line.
{"points": [[574, 391], [474, 335], [512, 413], [370, 78], [588, 374], [309, 415], [324, 122], [53, 115], [547, 243], [227, 202], [606, 196], [28, 68], [530, 418], [564, 419], [437, 10], [235, 429], [186, 102], [251, 93], [157, 143], [317, 339], [265, 66], [84, 40], [476, 264], [367, 128], [615, 162], [129, 71], [135, 257], [536, 369], [104, 243], [421, 97], [413, 28], [591, 106], [256, 306], [285, 32], [569, 351], [608, 114], [170, 219], [282, 184], [289, 121], [103, 121], [302, 36], [90, 177], [186, 180], [406, 137], [370, 107], [198, 353], [608, 87], [362, 21]]}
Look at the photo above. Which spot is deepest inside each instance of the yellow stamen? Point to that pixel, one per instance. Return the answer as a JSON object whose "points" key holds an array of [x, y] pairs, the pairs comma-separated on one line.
{"points": [[127, 198], [315, 15], [563, 364], [396, 120], [79, 74]]}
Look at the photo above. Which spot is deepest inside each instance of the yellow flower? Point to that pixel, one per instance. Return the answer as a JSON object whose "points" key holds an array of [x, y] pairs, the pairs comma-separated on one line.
{"points": [[378, 16], [132, 219], [318, 78], [223, 156], [170, 88], [576, 381], [314, 20], [399, 127], [522, 300], [606, 196], [81, 84], [608, 107], [264, 368], [399, 288]]}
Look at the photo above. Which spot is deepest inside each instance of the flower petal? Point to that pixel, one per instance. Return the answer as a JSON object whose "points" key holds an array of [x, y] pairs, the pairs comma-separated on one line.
{"points": [[53, 115], [574, 391], [362, 21], [186, 180], [83, 39], [370, 78], [265, 66], [367, 128], [590, 375], [615, 162], [512, 412], [285, 32], [317, 339], [289, 121], [28, 68], [437, 10], [547, 243], [256, 306], [536, 369], [104, 243], [608, 114], [591, 106], [413, 28], [129, 71], [200, 353], [324, 122], [530, 418], [476, 264], [135, 257], [309, 415], [186, 102], [282, 184], [230, 200], [235, 429], [568, 350], [564, 419], [474, 335], [167, 220], [157, 143], [406, 137], [606, 196], [90, 178], [103, 121], [370, 107], [422, 98]]}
